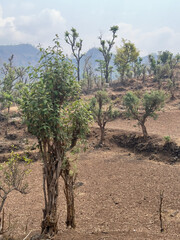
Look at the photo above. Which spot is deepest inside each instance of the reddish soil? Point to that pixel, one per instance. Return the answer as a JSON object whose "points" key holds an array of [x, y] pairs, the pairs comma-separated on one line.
{"points": [[119, 192]]}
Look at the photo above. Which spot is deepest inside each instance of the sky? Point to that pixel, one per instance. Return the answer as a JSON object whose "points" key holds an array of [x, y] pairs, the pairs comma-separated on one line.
{"points": [[152, 25]]}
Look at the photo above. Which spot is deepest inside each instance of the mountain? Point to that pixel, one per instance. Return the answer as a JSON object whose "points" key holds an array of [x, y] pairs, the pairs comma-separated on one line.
{"points": [[24, 54], [94, 54]]}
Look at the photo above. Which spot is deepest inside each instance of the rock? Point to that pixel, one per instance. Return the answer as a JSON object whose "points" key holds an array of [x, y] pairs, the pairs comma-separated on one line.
{"points": [[174, 214]]}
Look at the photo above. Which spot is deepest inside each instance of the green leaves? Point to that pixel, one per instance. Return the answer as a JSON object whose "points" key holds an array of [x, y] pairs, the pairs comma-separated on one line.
{"points": [[50, 105], [105, 49], [150, 103], [125, 55], [142, 107]]}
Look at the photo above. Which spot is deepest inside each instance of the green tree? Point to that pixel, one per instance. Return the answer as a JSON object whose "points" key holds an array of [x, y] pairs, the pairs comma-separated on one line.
{"points": [[101, 69], [55, 115], [140, 108], [12, 80], [153, 64], [105, 49], [174, 74], [76, 47], [101, 108], [137, 67], [125, 56]]}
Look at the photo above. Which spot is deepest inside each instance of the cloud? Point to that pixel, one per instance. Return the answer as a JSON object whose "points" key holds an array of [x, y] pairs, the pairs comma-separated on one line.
{"points": [[42, 27], [159, 39], [34, 29]]}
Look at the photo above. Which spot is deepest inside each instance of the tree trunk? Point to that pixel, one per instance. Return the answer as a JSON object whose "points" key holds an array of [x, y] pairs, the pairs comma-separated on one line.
{"points": [[78, 71], [145, 134], [52, 159], [107, 74], [49, 223], [69, 181], [102, 135], [7, 122]]}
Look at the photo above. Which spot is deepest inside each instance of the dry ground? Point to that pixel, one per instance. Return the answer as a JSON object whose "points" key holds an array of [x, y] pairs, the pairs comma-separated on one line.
{"points": [[119, 194]]}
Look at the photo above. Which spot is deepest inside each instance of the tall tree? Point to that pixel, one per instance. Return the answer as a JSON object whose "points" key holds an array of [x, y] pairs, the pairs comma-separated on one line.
{"points": [[55, 115], [105, 49], [125, 55], [76, 47]]}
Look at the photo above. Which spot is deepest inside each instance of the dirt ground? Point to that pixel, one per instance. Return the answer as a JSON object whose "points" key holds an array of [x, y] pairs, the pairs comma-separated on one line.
{"points": [[118, 191]]}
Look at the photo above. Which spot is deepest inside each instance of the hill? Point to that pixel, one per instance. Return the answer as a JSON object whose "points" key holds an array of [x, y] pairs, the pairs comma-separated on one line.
{"points": [[24, 54]]}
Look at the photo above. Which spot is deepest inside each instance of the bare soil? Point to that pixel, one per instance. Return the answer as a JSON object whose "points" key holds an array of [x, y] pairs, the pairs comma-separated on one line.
{"points": [[117, 193]]}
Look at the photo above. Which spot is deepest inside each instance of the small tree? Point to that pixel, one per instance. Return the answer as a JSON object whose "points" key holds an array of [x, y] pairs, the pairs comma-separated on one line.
{"points": [[12, 178], [76, 47], [125, 55], [101, 108], [101, 69], [58, 119], [106, 50], [88, 73], [12, 81], [153, 64], [174, 74], [150, 103]]}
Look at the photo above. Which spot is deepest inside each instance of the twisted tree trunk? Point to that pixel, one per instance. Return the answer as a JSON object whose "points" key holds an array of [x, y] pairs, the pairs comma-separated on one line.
{"points": [[69, 180], [52, 158]]}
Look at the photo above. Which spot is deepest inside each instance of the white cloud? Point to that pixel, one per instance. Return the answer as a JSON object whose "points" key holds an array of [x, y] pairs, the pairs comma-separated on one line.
{"points": [[156, 40], [34, 29], [42, 27]]}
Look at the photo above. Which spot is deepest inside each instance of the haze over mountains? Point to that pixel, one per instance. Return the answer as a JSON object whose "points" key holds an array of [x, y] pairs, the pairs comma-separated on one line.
{"points": [[26, 54]]}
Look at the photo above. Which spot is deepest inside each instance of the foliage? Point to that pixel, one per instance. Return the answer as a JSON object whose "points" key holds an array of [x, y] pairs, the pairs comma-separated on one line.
{"points": [[55, 115], [10, 85], [12, 176], [102, 110], [105, 49], [88, 74], [165, 68], [125, 55], [167, 139], [12, 78], [76, 47], [140, 108]]}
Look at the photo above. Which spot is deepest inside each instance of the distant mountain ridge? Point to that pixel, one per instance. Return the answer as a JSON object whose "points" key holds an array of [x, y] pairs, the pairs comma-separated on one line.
{"points": [[26, 54]]}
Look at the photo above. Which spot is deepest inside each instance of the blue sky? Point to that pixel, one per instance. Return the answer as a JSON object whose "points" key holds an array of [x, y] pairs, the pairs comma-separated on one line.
{"points": [[153, 25]]}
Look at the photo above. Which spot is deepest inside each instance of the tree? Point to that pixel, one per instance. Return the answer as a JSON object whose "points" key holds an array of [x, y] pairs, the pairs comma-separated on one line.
{"points": [[106, 50], [102, 111], [55, 115], [12, 80], [166, 69], [149, 102], [125, 55], [174, 74], [12, 177], [137, 67], [76, 47], [88, 73], [101, 69]]}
